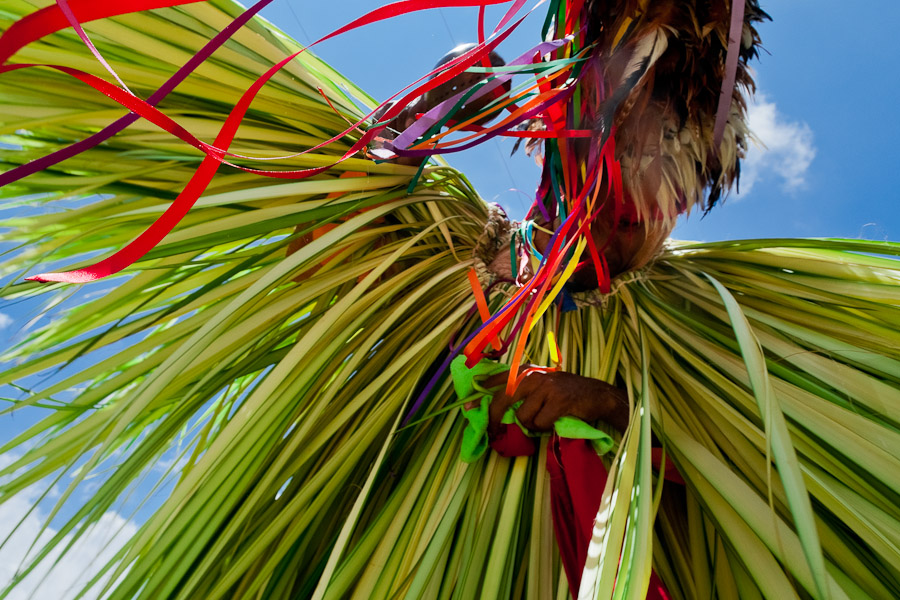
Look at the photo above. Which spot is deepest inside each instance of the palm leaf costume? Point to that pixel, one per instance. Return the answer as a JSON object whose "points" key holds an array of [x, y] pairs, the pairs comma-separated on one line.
{"points": [[276, 362]]}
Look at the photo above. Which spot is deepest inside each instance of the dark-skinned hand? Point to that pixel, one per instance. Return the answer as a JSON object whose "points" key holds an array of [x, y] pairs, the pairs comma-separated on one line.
{"points": [[548, 396]]}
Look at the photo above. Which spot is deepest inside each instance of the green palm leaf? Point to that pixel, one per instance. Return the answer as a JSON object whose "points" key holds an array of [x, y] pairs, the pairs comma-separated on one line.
{"points": [[277, 380]]}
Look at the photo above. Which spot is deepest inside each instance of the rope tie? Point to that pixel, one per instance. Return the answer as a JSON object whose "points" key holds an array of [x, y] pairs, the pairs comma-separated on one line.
{"points": [[492, 260], [496, 236]]}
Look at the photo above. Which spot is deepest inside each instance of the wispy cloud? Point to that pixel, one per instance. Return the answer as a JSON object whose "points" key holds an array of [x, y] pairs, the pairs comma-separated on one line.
{"points": [[5, 321], [784, 151], [73, 570]]}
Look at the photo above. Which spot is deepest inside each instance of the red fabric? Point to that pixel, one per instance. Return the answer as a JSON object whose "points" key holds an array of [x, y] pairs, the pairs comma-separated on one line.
{"points": [[577, 478], [512, 442], [671, 473], [657, 589]]}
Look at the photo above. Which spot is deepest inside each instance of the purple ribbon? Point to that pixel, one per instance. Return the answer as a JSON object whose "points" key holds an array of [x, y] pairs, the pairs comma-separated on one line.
{"points": [[115, 127], [436, 113], [731, 61], [563, 96]]}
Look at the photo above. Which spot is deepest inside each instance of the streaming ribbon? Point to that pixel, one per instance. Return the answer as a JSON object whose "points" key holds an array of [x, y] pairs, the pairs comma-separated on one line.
{"points": [[731, 62], [557, 68], [215, 153]]}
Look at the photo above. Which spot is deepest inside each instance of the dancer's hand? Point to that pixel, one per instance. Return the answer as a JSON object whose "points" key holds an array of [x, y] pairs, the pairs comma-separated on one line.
{"points": [[548, 396]]}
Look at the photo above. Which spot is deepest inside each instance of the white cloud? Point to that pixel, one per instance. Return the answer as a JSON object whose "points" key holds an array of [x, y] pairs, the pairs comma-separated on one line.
{"points": [[784, 150], [73, 570], [5, 321]]}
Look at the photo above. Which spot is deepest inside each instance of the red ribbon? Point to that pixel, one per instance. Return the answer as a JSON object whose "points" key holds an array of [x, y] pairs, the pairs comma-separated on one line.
{"points": [[52, 19]]}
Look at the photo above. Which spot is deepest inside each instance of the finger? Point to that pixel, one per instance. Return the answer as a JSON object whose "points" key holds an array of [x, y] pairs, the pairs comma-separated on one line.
{"points": [[544, 420], [496, 380], [499, 404], [532, 404]]}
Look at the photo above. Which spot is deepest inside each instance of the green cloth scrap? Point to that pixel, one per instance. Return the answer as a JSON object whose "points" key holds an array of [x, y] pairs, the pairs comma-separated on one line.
{"points": [[475, 439], [570, 427]]}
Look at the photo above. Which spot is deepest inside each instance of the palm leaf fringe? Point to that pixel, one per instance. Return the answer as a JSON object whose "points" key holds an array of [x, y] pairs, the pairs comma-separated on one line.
{"points": [[277, 382]]}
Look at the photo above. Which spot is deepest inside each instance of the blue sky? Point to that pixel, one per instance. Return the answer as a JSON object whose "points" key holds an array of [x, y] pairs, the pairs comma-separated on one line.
{"points": [[827, 110]]}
